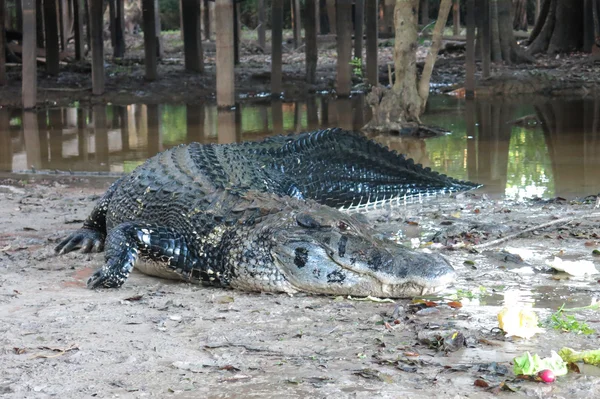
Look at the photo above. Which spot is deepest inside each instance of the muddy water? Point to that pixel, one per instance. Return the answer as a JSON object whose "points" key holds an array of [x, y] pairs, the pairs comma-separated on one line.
{"points": [[552, 150]]}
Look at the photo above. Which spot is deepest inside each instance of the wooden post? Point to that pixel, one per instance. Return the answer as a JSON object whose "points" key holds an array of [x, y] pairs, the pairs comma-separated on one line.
{"points": [[262, 24], [150, 42], [359, 21], [119, 49], [96, 26], [192, 35], [206, 16], [331, 16], [297, 25], [51, 25], [236, 33], [276, 47], [310, 33], [29, 66], [388, 16], [39, 17], [2, 45], [485, 40], [112, 15], [18, 15], [538, 6], [344, 48], [424, 12], [456, 17], [225, 53], [371, 42], [62, 22], [160, 48], [78, 16], [358, 106], [470, 57]]}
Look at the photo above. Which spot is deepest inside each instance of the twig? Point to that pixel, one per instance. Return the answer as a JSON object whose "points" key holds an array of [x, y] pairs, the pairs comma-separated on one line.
{"points": [[530, 229]]}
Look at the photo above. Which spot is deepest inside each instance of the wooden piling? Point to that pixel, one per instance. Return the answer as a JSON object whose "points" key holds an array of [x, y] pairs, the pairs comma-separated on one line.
{"points": [[51, 25], [206, 18], [225, 53], [297, 24], [150, 38], [97, 42], [62, 22], [78, 17], [424, 12], [29, 66], [192, 35], [112, 13], [331, 15], [359, 21], [154, 131], [262, 24], [119, 49], [236, 33], [470, 56], [2, 44], [82, 135], [456, 17], [344, 48], [388, 16], [371, 12], [310, 33], [486, 55], [312, 113], [276, 47], [39, 17]]}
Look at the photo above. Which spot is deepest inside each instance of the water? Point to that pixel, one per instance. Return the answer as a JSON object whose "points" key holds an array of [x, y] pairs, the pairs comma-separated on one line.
{"points": [[558, 157]]}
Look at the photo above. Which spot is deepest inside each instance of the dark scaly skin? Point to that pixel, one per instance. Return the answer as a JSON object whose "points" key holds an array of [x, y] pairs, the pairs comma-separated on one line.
{"points": [[241, 216]]}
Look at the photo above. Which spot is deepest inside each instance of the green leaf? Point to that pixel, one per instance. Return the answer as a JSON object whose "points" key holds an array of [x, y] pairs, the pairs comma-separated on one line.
{"points": [[529, 364], [589, 357]]}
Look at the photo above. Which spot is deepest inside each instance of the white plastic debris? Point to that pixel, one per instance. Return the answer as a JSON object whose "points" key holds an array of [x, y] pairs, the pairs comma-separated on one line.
{"points": [[574, 268]]}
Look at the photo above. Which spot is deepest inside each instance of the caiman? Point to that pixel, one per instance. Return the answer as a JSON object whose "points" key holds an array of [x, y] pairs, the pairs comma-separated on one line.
{"points": [[266, 216]]}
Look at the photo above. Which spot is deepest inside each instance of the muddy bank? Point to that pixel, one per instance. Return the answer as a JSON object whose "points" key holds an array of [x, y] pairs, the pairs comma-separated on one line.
{"points": [[154, 338], [125, 82]]}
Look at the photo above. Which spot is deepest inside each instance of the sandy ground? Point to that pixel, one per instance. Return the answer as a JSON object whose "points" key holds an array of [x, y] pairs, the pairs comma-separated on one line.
{"points": [[157, 338]]}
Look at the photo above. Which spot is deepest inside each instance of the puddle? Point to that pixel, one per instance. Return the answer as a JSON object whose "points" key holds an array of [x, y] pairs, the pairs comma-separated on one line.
{"points": [[552, 150]]}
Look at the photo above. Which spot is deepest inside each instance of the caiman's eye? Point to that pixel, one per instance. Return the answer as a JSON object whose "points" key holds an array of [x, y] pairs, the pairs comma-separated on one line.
{"points": [[306, 220], [342, 226]]}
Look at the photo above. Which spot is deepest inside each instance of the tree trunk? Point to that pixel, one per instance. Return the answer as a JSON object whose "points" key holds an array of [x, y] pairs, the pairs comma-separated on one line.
{"points": [[559, 28], [504, 47], [401, 107], [520, 15]]}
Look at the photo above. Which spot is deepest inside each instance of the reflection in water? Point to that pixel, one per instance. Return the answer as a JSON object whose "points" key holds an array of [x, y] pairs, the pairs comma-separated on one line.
{"points": [[559, 157]]}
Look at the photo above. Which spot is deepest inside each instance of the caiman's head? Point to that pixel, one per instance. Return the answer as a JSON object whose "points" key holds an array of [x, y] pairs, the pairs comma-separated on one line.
{"points": [[322, 250]]}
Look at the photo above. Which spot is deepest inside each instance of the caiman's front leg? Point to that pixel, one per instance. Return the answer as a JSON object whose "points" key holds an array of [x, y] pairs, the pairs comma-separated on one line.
{"points": [[90, 238], [164, 247]]}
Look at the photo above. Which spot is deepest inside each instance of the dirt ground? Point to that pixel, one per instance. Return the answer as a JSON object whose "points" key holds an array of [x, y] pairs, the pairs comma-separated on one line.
{"points": [[157, 338], [575, 74]]}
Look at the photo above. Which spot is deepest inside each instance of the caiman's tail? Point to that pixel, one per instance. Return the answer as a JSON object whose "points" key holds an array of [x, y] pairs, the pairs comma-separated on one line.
{"points": [[346, 170]]}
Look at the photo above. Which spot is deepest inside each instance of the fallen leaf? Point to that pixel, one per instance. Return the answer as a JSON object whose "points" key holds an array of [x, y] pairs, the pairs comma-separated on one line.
{"points": [[134, 298], [455, 304], [481, 383], [519, 322]]}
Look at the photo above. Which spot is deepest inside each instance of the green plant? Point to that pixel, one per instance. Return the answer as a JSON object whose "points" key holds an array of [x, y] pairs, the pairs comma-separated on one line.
{"points": [[357, 67], [568, 323]]}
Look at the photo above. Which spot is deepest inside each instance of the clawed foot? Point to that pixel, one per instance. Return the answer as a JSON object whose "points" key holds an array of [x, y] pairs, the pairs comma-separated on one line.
{"points": [[104, 278], [86, 239]]}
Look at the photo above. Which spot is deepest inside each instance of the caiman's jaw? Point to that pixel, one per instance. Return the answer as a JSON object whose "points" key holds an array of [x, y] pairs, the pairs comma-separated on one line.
{"points": [[323, 259]]}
